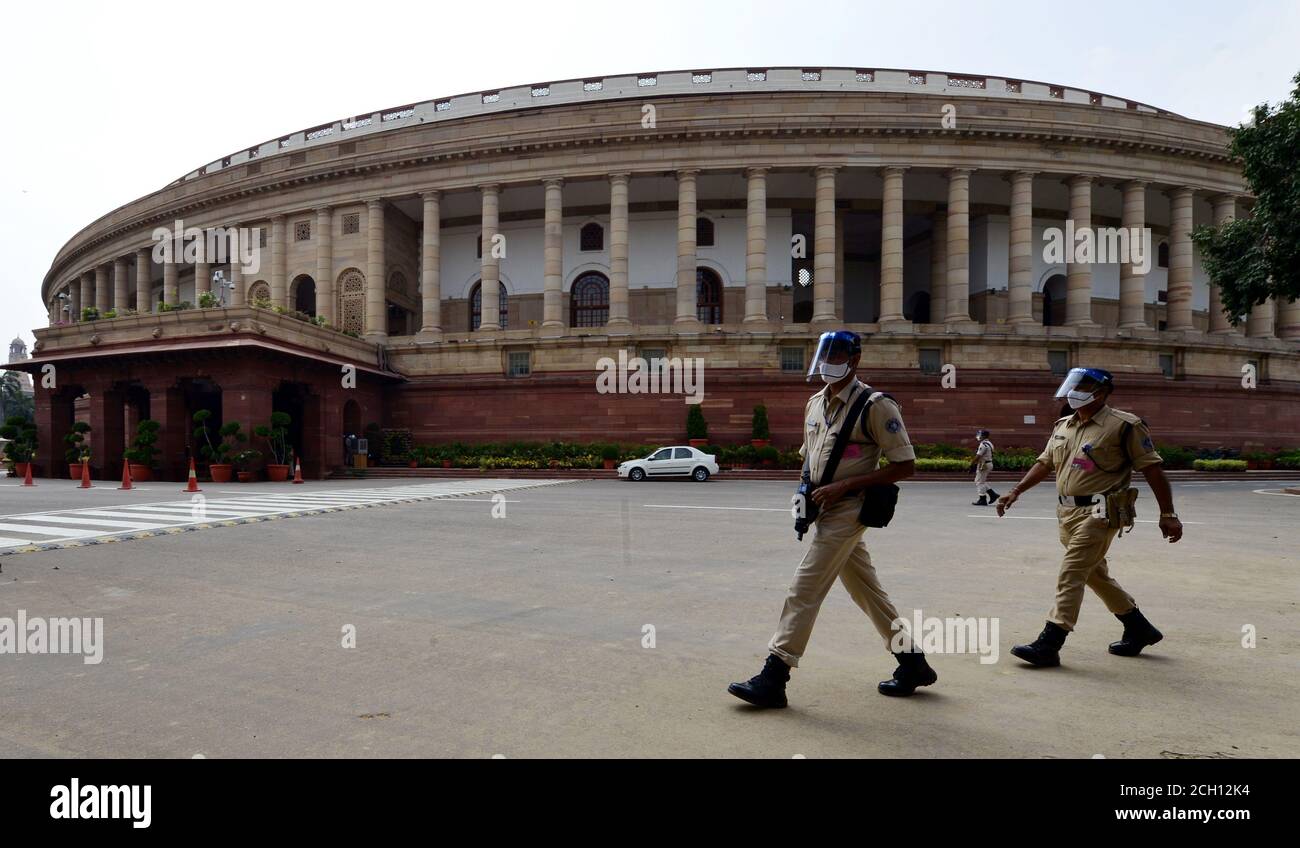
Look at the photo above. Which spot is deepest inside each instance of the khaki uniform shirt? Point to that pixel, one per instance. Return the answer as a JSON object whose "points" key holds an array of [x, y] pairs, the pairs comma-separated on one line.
{"points": [[884, 434], [1080, 474], [984, 453]]}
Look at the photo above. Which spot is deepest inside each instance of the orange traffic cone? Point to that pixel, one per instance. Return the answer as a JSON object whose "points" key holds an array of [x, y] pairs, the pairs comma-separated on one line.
{"points": [[126, 474], [193, 485], [27, 476], [297, 470], [85, 475]]}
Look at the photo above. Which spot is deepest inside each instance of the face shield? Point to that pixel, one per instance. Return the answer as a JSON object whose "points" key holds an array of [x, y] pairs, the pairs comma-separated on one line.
{"points": [[1082, 385], [835, 352]]}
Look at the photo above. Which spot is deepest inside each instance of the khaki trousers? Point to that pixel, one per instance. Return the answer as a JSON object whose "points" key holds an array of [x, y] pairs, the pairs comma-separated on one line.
{"points": [[836, 550], [982, 478], [1086, 540]]}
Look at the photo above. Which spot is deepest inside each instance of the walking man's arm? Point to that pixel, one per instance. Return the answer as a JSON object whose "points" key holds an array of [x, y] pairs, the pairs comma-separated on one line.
{"points": [[1036, 475]]}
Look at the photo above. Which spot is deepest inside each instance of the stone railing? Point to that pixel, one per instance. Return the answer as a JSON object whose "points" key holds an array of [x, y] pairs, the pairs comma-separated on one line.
{"points": [[665, 83]]}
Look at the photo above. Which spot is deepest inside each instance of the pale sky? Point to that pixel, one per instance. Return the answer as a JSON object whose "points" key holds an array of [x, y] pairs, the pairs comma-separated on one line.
{"points": [[105, 102]]}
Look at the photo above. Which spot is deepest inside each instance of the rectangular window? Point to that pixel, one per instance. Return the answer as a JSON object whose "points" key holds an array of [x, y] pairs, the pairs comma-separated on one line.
{"points": [[650, 354], [517, 363], [1167, 365], [302, 231], [1059, 362], [351, 223], [792, 360], [931, 360]]}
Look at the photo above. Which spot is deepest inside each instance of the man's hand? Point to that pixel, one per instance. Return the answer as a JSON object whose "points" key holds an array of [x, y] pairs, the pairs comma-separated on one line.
{"points": [[1171, 529], [1005, 502], [826, 495]]}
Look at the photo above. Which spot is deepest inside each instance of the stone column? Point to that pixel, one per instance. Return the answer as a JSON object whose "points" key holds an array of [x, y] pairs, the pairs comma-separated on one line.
{"points": [[1179, 311], [619, 315], [824, 246], [431, 268], [202, 270], [490, 267], [1078, 276], [1288, 320], [891, 247], [238, 296], [74, 301], [376, 324], [279, 286], [1132, 281], [103, 298], [686, 314], [1020, 271], [938, 267], [144, 281], [1259, 322], [107, 431], [958, 287], [325, 264], [553, 257], [87, 292], [121, 286], [171, 282], [756, 246], [1225, 211]]}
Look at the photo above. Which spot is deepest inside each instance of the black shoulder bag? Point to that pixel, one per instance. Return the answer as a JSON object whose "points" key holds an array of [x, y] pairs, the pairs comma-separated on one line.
{"points": [[879, 500]]}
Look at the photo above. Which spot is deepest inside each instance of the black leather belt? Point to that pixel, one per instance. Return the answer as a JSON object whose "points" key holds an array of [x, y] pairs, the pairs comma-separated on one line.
{"points": [[1076, 500]]}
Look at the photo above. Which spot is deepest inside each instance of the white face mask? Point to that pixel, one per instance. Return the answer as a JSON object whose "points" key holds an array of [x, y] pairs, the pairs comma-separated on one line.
{"points": [[833, 373], [1078, 400]]}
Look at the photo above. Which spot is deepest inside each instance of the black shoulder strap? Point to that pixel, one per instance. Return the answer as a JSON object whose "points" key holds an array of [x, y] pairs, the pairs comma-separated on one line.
{"points": [[857, 409], [1123, 440]]}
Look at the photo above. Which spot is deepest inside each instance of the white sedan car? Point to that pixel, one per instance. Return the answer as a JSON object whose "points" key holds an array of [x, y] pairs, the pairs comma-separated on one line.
{"points": [[676, 461]]}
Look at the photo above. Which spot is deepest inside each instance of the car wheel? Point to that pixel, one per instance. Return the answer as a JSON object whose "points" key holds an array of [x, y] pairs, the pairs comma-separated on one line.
{"points": [[636, 475], [700, 474]]}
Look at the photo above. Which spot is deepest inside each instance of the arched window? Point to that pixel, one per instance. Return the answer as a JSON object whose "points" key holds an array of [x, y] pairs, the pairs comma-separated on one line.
{"points": [[703, 232], [259, 290], [351, 314], [1162, 255], [303, 294], [476, 305], [591, 237], [708, 296], [589, 301]]}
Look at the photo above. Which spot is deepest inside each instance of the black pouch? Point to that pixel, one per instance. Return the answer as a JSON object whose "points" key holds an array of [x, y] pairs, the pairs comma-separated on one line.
{"points": [[878, 504]]}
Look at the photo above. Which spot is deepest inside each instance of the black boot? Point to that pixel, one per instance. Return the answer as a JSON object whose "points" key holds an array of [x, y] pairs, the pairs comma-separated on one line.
{"points": [[767, 688], [993, 497], [983, 501], [912, 671], [1046, 649], [1138, 633]]}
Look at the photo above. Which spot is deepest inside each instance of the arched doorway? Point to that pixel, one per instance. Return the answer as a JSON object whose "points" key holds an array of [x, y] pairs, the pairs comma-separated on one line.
{"points": [[708, 296], [1054, 301], [302, 293], [352, 418], [589, 300]]}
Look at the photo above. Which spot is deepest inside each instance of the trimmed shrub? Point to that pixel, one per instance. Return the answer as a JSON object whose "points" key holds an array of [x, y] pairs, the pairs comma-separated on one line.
{"points": [[941, 464], [1219, 465]]}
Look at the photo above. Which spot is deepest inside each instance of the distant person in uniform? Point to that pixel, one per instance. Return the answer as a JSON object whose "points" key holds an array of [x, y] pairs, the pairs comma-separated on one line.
{"points": [[1094, 451], [837, 550], [982, 466]]}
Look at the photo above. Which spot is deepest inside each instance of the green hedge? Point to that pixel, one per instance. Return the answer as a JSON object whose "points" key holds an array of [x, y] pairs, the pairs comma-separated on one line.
{"points": [[941, 464], [1219, 465]]}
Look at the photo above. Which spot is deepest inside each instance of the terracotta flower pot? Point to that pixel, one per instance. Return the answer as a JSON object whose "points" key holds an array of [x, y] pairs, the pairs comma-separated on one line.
{"points": [[610, 464], [246, 476], [220, 472], [446, 463], [277, 473], [412, 463], [140, 473], [74, 470], [697, 443], [20, 469], [760, 443]]}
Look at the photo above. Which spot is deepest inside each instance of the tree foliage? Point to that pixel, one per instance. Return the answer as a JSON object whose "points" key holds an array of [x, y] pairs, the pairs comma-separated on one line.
{"points": [[1258, 256]]}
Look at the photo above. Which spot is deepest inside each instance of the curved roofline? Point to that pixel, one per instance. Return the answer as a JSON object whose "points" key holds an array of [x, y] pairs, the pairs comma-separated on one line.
{"points": [[623, 86]]}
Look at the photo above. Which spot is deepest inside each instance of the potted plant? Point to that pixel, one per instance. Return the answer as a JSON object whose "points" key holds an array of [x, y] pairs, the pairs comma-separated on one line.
{"points": [[78, 451], [609, 456], [140, 455], [760, 435], [208, 300], [768, 455], [277, 440], [217, 453], [21, 449], [697, 429], [245, 465]]}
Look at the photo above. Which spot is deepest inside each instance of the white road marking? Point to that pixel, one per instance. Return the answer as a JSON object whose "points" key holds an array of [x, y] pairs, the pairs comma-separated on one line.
{"points": [[740, 508], [1275, 494], [1053, 518]]}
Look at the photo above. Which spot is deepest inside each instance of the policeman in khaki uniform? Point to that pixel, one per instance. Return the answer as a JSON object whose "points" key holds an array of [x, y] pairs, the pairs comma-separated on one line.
{"points": [[836, 550], [983, 466], [1094, 452]]}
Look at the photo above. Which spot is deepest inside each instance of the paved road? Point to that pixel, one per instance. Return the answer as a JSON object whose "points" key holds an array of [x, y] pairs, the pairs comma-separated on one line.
{"points": [[522, 634]]}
